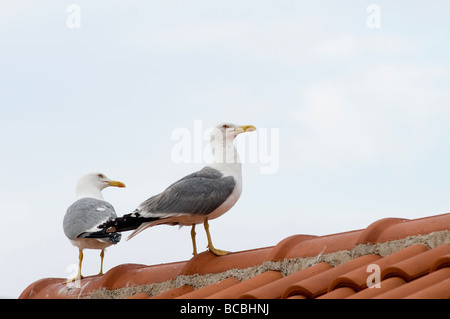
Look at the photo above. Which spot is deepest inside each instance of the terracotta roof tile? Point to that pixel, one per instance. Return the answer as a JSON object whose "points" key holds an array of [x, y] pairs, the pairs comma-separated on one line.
{"points": [[150, 274], [297, 297], [441, 262], [339, 293], [280, 251], [385, 285], [210, 289], [275, 289], [140, 295], [237, 290], [412, 256], [372, 233], [316, 285], [357, 279], [416, 266], [174, 292], [120, 276], [436, 291], [324, 244], [417, 285], [207, 262], [415, 227]]}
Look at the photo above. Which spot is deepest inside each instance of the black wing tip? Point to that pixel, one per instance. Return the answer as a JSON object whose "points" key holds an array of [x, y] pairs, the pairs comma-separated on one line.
{"points": [[126, 222], [114, 238]]}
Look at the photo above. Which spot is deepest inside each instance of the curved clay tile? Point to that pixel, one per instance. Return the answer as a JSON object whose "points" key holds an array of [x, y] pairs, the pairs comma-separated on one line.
{"points": [[441, 262], [235, 291], [210, 290], [324, 244], [371, 234], [35, 289], [385, 285], [357, 279], [136, 276], [437, 291], [417, 285], [427, 270], [275, 289], [113, 278], [208, 263], [281, 250], [55, 288], [317, 285], [415, 227], [339, 293], [416, 266]]}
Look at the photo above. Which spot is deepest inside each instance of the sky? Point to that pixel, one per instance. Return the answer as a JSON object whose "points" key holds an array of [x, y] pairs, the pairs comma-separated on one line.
{"points": [[351, 100]]}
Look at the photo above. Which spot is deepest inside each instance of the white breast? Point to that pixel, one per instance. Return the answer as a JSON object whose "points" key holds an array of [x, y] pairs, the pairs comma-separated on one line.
{"points": [[231, 200]]}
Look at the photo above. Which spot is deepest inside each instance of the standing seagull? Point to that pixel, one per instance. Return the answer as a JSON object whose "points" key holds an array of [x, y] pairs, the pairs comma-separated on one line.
{"points": [[196, 198], [86, 213]]}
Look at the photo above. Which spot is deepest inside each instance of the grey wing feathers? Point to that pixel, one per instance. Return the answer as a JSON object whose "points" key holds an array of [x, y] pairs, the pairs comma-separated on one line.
{"points": [[84, 215], [198, 193]]}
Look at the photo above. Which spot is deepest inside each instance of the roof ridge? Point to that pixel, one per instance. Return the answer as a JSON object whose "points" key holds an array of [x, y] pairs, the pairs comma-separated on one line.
{"points": [[286, 266]]}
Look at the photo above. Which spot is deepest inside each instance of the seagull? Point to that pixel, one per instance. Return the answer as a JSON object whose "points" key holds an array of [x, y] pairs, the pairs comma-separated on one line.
{"points": [[196, 198], [86, 213]]}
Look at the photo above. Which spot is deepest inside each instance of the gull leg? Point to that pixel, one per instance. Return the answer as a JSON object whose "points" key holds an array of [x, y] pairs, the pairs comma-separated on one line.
{"points": [[102, 255], [80, 261], [194, 244], [215, 251], [80, 258], [78, 276]]}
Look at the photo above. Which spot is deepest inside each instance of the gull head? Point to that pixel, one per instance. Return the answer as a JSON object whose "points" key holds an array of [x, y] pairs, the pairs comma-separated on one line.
{"points": [[91, 185], [228, 131], [222, 137]]}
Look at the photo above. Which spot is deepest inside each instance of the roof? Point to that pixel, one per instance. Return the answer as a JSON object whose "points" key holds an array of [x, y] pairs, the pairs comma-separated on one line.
{"points": [[407, 258]]}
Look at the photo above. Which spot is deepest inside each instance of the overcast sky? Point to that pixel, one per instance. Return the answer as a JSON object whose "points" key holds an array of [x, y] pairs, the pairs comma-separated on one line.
{"points": [[352, 103]]}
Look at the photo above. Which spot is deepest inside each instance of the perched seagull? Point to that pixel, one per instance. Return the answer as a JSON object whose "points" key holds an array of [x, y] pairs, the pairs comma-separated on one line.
{"points": [[86, 213], [196, 198]]}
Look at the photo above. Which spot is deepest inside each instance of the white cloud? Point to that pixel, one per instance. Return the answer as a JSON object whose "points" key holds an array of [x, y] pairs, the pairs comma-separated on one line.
{"points": [[291, 41], [338, 46], [295, 42], [377, 112], [348, 45], [387, 44], [197, 36]]}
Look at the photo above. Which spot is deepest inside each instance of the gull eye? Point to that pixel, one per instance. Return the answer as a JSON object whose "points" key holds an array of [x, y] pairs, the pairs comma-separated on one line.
{"points": [[225, 126], [101, 175]]}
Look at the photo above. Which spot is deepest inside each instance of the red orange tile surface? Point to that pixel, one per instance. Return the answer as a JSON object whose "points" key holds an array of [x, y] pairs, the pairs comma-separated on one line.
{"points": [[401, 258]]}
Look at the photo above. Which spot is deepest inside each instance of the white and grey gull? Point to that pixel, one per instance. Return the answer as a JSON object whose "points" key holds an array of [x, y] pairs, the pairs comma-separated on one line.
{"points": [[196, 198], [90, 210]]}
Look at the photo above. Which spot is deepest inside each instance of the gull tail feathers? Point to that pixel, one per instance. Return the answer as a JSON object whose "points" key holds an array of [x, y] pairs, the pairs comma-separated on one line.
{"points": [[127, 222], [146, 224], [139, 229]]}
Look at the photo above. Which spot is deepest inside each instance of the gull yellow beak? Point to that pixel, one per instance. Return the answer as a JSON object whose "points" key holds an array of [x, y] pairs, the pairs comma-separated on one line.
{"points": [[116, 184], [248, 128]]}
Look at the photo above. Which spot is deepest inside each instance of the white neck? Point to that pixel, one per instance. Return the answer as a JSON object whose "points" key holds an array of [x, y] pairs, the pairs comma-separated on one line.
{"points": [[223, 149], [84, 190], [225, 156]]}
